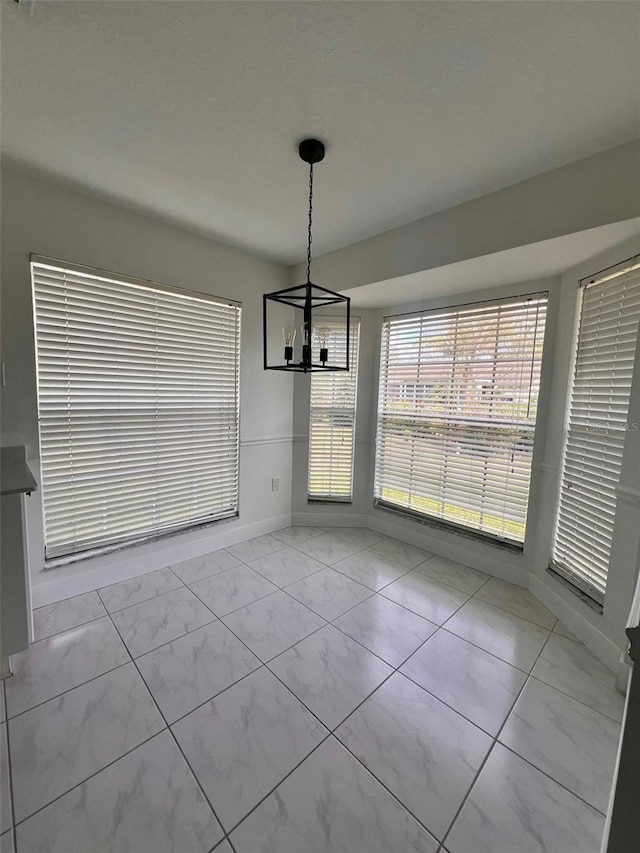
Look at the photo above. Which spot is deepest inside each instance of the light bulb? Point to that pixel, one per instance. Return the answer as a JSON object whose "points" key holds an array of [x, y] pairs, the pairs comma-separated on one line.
{"points": [[322, 335], [289, 336]]}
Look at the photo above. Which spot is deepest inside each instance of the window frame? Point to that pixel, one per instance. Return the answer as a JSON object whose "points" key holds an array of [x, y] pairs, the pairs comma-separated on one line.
{"points": [[354, 360], [578, 580], [53, 553], [542, 327]]}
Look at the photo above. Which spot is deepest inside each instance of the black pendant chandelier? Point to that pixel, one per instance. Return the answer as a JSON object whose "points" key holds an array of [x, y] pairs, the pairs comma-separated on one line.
{"points": [[312, 351]]}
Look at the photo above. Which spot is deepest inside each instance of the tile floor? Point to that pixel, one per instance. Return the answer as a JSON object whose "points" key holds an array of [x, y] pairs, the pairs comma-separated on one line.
{"points": [[309, 691]]}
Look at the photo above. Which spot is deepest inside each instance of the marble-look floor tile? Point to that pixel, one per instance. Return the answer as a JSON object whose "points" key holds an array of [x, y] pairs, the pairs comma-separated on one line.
{"points": [[61, 743], [573, 669], [516, 600], [54, 618], [399, 552], [331, 804], [273, 624], [186, 672], [49, 667], [198, 568], [146, 626], [478, 685], [5, 796], [6, 842], [508, 637], [146, 802], [242, 744], [231, 590], [254, 548], [385, 628], [453, 574], [426, 597], [136, 590], [223, 847], [567, 740], [561, 629], [296, 535], [328, 548], [360, 536], [422, 751], [370, 569], [513, 808], [330, 673], [329, 593], [286, 567]]}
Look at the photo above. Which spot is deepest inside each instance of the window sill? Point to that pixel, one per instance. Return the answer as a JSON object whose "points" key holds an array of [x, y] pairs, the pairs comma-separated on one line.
{"points": [[89, 554], [339, 501], [434, 523], [579, 593]]}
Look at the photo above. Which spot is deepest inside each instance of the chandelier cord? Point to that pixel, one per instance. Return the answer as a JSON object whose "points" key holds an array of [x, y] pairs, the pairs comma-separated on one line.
{"points": [[310, 222]]}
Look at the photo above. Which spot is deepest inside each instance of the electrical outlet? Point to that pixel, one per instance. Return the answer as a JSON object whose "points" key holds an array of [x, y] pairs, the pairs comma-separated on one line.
{"points": [[275, 484]]}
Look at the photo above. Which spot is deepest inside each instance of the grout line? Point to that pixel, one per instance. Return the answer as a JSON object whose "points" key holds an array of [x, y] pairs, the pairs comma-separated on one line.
{"points": [[71, 627], [145, 600], [75, 686], [476, 646], [351, 712], [179, 637], [491, 749], [575, 699], [509, 612], [140, 577], [95, 773], [12, 828], [175, 740], [544, 773], [263, 663], [404, 806]]}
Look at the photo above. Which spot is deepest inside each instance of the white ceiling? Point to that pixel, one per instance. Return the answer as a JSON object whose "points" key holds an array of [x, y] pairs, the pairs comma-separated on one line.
{"points": [[191, 110], [513, 266]]}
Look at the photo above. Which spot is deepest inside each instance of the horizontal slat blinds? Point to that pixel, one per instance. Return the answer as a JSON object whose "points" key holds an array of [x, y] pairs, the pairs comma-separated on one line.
{"points": [[596, 428], [138, 408], [457, 411], [332, 419]]}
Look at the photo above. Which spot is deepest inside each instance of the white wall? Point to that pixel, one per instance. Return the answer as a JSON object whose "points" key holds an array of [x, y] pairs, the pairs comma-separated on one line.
{"points": [[595, 191], [43, 217], [498, 561], [603, 633]]}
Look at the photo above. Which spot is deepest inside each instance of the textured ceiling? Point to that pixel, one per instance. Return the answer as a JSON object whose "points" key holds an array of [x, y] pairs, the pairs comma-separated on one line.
{"points": [[191, 110]]}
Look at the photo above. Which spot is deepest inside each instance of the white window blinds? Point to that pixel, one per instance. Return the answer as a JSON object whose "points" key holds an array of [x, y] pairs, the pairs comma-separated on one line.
{"points": [[332, 420], [457, 411], [596, 428], [138, 407]]}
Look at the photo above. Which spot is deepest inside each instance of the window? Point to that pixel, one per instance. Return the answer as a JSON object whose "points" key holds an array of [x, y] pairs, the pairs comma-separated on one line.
{"points": [[138, 407], [457, 412], [597, 424], [332, 421]]}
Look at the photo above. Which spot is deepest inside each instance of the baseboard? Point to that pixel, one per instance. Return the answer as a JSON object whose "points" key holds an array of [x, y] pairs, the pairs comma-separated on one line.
{"points": [[313, 518], [100, 571], [492, 560], [602, 647]]}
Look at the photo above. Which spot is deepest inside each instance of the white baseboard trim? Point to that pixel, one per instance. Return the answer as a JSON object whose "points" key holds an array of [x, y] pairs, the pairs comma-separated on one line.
{"points": [[334, 518], [122, 565], [602, 647], [466, 551]]}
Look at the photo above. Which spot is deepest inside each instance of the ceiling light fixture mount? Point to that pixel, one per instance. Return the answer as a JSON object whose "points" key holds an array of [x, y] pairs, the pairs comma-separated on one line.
{"points": [[315, 336]]}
